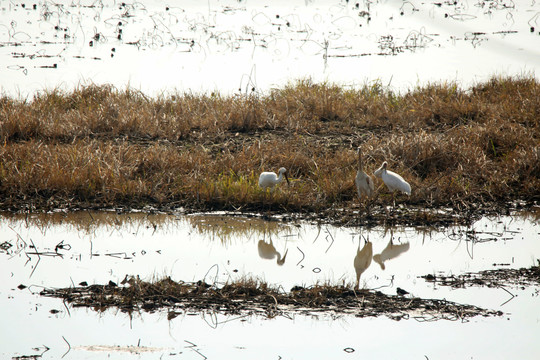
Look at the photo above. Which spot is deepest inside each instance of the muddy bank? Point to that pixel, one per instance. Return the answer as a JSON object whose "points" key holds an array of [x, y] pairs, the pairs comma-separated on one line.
{"points": [[252, 298], [255, 298], [489, 278]]}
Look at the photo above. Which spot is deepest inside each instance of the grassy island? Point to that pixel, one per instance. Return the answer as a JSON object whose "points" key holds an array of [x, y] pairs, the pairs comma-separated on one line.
{"points": [[462, 150]]}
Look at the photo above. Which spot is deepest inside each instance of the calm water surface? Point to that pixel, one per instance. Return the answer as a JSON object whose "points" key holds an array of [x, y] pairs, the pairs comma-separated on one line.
{"points": [[103, 246], [244, 46]]}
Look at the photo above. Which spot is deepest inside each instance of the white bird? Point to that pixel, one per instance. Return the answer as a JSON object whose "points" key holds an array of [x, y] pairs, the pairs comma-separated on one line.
{"points": [[364, 182], [392, 180], [390, 252], [268, 251], [362, 260], [270, 179]]}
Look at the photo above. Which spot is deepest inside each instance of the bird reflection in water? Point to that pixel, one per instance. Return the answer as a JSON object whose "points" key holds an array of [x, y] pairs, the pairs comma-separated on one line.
{"points": [[362, 260], [390, 252], [268, 251]]}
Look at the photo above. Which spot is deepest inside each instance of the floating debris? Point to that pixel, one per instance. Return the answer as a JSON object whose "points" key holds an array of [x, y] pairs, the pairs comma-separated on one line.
{"points": [[489, 278], [5, 246]]}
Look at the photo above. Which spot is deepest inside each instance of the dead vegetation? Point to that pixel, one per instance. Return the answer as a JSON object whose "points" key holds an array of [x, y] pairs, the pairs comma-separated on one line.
{"points": [[489, 278], [250, 297], [99, 147]]}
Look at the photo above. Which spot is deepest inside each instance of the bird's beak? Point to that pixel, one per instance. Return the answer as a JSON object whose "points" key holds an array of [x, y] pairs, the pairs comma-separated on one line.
{"points": [[287, 178]]}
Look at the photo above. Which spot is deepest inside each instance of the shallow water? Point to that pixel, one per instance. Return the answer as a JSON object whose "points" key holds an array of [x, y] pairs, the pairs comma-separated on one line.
{"points": [[244, 46], [103, 246]]}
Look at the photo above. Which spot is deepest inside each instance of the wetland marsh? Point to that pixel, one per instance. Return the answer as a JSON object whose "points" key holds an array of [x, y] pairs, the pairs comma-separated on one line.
{"points": [[133, 134]]}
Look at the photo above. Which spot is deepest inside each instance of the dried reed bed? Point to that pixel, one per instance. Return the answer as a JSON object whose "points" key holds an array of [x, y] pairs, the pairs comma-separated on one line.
{"points": [[98, 146]]}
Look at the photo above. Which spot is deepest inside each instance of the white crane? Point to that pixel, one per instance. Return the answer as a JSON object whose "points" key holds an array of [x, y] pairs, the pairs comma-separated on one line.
{"points": [[364, 182], [270, 179], [362, 260], [392, 180]]}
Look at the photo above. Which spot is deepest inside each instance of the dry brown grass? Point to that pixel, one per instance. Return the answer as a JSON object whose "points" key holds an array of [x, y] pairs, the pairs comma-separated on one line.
{"points": [[101, 147]]}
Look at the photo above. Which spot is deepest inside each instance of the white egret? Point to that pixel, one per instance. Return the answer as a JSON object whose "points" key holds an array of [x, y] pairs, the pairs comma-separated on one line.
{"points": [[362, 260], [268, 251], [392, 180], [270, 179], [364, 182]]}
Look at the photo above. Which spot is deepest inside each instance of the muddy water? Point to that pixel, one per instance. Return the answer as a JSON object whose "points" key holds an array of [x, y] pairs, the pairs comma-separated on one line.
{"points": [[60, 250]]}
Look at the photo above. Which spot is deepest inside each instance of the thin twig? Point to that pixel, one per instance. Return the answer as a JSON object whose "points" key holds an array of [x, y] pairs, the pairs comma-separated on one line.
{"points": [[303, 256], [39, 258], [69, 347], [513, 296]]}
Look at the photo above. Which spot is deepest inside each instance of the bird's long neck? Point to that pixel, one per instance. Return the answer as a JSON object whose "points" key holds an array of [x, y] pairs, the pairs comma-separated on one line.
{"points": [[360, 166], [280, 177], [281, 260], [384, 172]]}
